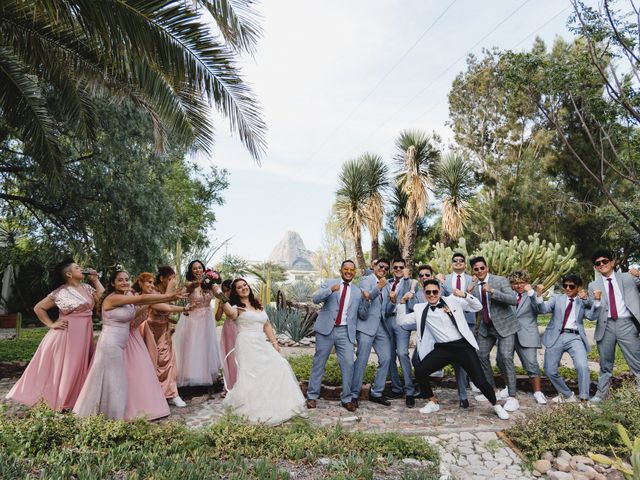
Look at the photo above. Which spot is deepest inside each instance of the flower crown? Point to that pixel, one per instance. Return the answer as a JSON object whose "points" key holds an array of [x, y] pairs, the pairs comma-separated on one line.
{"points": [[118, 267]]}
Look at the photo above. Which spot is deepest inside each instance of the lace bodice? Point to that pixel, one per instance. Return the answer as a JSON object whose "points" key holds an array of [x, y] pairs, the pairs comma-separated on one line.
{"points": [[69, 299], [251, 321], [119, 316], [200, 298]]}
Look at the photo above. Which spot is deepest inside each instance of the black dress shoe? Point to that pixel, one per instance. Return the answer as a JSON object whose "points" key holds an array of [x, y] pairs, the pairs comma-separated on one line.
{"points": [[464, 403], [382, 400], [395, 394], [421, 395], [409, 401]]}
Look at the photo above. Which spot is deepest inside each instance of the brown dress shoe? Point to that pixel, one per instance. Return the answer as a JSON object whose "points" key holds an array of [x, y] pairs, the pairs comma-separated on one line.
{"points": [[355, 402], [349, 406], [311, 403]]}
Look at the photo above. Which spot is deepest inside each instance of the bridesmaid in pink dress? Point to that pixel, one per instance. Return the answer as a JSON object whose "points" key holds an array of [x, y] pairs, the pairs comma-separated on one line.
{"points": [[195, 341], [60, 365], [227, 342], [156, 333], [110, 389]]}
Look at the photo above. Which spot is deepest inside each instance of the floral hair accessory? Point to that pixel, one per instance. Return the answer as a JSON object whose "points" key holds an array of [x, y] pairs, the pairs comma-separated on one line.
{"points": [[118, 267], [209, 279]]}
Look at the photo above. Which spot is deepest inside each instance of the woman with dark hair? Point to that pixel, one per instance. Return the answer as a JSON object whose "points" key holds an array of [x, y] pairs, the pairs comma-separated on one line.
{"points": [[107, 389], [195, 341], [266, 389], [156, 333], [227, 342], [59, 367]]}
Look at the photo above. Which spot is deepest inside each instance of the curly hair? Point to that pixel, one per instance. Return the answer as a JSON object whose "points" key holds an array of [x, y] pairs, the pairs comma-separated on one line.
{"points": [[189, 274], [518, 276], [143, 277], [234, 298]]}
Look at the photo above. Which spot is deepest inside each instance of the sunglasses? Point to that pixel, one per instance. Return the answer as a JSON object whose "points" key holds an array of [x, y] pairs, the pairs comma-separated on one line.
{"points": [[569, 286], [457, 261], [432, 292], [604, 261], [383, 267], [397, 267], [349, 270], [479, 269], [424, 275]]}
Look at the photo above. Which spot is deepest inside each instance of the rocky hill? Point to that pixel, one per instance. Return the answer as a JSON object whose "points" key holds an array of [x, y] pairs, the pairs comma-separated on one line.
{"points": [[291, 253]]}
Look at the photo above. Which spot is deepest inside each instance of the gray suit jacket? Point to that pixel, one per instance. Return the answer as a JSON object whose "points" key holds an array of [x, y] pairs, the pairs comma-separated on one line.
{"points": [[629, 286], [326, 320], [370, 322], [470, 316], [500, 302], [527, 315], [558, 304]]}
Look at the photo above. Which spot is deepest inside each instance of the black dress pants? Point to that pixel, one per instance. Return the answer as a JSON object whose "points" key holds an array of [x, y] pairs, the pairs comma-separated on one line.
{"points": [[457, 352]]}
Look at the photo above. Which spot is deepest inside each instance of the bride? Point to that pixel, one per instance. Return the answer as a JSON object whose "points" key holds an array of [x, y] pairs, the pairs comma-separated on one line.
{"points": [[266, 389]]}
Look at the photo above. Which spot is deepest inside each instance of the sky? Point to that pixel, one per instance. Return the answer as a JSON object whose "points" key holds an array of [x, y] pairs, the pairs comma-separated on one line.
{"points": [[340, 78]]}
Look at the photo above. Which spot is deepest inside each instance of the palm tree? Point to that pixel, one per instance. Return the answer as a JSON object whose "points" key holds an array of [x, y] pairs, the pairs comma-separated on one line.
{"points": [[164, 55], [399, 213], [416, 154], [453, 181], [351, 203], [377, 182]]}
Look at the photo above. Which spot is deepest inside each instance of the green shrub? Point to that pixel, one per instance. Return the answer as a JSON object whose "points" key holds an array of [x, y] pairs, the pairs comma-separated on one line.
{"points": [[45, 444], [301, 365], [580, 430], [23, 348]]}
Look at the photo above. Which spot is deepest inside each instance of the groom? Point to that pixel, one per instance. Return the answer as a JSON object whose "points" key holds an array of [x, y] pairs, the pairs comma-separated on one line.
{"points": [[335, 327]]}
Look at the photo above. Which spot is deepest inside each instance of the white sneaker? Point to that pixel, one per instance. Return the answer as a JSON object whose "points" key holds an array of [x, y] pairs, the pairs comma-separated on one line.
{"points": [[178, 402], [540, 398], [512, 404], [571, 399], [474, 389], [595, 399], [562, 399], [501, 412], [481, 398], [502, 394], [430, 407]]}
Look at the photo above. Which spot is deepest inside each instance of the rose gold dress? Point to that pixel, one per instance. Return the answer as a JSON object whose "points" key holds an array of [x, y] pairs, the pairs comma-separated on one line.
{"points": [[157, 336], [60, 366], [196, 344]]}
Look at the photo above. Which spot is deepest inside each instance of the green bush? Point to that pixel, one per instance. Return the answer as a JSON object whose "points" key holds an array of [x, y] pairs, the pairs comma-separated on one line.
{"points": [[52, 445], [332, 376], [580, 430], [22, 349]]}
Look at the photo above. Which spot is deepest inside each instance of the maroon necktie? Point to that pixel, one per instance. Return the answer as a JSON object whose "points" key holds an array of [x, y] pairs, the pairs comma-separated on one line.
{"points": [[567, 313], [612, 301], [395, 284], [458, 285], [485, 305], [343, 297], [518, 301]]}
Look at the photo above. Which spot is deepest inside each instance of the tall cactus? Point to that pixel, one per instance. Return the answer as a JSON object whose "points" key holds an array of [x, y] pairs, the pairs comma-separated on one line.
{"points": [[545, 261]]}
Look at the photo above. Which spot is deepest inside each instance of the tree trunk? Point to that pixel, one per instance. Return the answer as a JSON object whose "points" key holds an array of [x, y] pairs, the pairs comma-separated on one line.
{"points": [[359, 255], [375, 249], [409, 249]]}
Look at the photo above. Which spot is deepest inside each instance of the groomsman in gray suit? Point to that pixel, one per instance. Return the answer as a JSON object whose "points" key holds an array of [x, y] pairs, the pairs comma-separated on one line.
{"points": [[343, 304], [565, 333], [528, 337], [460, 280], [400, 284], [498, 324], [617, 321], [371, 332]]}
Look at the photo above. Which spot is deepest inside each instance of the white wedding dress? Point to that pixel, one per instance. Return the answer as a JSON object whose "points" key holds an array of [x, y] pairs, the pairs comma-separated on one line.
{"points": [[266, 390]]}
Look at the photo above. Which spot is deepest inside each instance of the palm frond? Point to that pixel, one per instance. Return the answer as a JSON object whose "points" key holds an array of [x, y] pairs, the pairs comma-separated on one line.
{"points": [[237, 21]]}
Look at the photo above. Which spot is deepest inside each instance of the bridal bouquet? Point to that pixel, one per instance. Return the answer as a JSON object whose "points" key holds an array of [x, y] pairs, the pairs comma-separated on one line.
{"points": [[209, 279]]}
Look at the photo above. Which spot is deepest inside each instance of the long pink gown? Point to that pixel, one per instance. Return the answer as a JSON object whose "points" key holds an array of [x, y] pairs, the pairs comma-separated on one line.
{"points": [[157, 337], [110, 389], [228, 346], [196, 344], [60, 366]]}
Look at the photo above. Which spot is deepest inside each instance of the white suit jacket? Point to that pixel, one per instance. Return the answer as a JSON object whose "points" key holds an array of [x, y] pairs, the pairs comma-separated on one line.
{"points": [[456, 305]]}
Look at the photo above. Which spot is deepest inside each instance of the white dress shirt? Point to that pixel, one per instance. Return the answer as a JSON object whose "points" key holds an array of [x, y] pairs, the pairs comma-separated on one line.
{"points": [[621, 307], [441, 326], [347, 299], [454, 280]]}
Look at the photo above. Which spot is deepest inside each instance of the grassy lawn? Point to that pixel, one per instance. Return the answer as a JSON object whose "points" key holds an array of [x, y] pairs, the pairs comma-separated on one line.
{"points": [[49, 445], [543, 321], [23, 348]]}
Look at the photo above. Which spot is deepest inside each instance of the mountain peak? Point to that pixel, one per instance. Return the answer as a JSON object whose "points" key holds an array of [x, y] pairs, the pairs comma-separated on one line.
{"points": [[291, 253]]}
